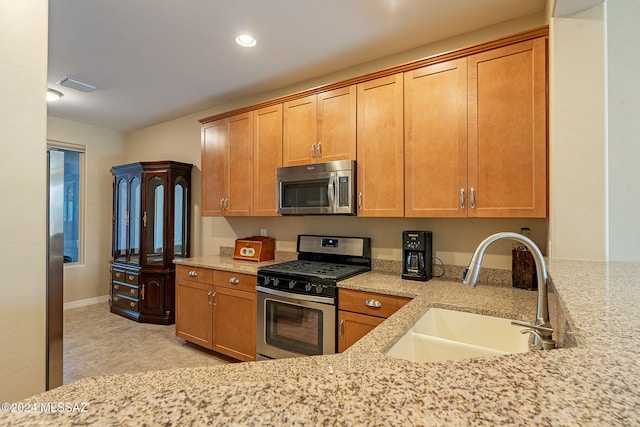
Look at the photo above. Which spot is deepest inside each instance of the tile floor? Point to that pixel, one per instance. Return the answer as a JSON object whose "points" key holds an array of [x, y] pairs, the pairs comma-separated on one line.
{"points": [[98, 342]]}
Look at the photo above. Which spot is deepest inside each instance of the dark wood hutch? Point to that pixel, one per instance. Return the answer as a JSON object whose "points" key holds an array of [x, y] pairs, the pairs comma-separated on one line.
{"points": [[151, 226]]}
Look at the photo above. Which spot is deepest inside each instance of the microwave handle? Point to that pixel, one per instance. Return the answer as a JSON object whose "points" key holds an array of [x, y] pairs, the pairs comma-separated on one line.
{"points": [[331, 191]]}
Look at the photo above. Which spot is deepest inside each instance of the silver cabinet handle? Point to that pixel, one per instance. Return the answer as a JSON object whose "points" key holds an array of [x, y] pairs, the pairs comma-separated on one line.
{"points": [[226, 202], [313, 150], [341, 329], [221, 202], [319, 149], [462, 198], [234, 280], [209, 298], [472, 198], [193, 273], [373, 303], [360, 200], [213, 298]]}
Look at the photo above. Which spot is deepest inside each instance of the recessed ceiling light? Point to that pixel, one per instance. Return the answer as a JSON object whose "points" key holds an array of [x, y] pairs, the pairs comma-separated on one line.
{"points": [[245, 40], [53, 95]]}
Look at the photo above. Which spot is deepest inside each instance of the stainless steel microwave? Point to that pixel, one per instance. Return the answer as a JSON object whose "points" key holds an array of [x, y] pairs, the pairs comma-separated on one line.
{"points": [[317, 189]]}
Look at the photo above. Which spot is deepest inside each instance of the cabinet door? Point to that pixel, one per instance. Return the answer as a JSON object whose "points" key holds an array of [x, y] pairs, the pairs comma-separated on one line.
{"points": [[152, 295], [435, 148], [337, 125], [353, 326], [235, 323], [239, 198], [214, 155], [380, 147], [267, 157], [194, 312], [508, 131], [300, 131]]}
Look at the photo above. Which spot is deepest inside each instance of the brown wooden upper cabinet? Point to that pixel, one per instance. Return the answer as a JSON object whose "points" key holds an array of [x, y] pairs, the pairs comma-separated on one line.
{"points": [[435, 120], [507, 171], [380, 147], [476, 135], [320, 127], [267, 158], [227, 166]]}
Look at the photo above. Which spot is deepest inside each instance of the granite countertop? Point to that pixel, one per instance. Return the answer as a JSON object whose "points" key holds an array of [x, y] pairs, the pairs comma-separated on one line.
{"points": [[596, 382]]}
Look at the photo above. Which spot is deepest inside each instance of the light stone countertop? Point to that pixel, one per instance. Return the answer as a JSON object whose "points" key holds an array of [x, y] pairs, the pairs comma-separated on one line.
{"points": [[596, 382]]}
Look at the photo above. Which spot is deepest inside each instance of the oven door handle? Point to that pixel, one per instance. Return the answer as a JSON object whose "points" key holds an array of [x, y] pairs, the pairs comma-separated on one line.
{"points": [[293, 296]]}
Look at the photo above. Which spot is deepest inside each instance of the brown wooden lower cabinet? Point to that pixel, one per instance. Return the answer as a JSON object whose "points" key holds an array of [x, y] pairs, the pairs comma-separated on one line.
{"points": [[359, 312], [217, 310]]}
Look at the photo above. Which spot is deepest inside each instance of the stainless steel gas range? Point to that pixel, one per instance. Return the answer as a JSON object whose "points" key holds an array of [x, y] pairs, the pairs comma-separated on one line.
{"points": [[297, 300]]}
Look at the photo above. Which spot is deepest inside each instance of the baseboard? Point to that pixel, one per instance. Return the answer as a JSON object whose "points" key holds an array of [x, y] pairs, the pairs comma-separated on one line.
{"points": [[84, 302]]}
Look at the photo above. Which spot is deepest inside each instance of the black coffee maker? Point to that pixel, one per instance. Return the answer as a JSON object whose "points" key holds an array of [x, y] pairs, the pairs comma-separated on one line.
{"points": [[416, 255]]}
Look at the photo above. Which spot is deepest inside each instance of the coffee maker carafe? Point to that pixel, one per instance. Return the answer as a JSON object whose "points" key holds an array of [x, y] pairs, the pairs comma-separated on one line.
{"points": [[416, 255]]}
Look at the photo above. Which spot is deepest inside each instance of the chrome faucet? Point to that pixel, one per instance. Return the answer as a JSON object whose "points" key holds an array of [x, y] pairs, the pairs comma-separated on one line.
{"points": [[542, 329]]}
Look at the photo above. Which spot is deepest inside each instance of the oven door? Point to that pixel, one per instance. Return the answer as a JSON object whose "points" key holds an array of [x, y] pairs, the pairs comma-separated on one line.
{"points": [[291, 325]]}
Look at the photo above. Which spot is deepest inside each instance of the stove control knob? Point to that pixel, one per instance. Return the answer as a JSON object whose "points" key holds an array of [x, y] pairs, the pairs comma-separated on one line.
{"points": [[266, 280], [292, 284], [307, 287], [275, 282], [319, 289]]}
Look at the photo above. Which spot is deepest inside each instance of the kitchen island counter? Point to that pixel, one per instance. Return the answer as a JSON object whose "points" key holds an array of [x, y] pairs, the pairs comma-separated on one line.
{"points": [[596, 382]]}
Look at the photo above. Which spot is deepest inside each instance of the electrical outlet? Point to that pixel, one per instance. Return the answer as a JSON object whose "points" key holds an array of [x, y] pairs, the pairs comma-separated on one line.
{"points": [[263, 232]]}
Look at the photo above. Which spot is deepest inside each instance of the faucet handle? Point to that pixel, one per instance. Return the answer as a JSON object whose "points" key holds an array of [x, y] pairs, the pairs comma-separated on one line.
{"points": [[540, 328], [546, 343], [542, 334]]}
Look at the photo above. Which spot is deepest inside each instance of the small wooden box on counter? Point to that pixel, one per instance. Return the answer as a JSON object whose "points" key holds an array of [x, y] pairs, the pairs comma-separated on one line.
{"points": [[255, 248]]}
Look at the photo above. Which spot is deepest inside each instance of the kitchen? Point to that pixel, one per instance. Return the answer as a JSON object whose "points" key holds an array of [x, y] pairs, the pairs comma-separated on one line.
{"points": [[222, 232]]}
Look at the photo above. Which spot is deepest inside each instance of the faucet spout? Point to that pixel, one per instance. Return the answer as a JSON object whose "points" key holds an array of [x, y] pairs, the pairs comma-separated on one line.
{"points": [[471, 273]]}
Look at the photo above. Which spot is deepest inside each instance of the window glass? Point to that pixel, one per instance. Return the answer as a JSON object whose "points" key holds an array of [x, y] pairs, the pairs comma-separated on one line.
{"points": [[72, 205]]}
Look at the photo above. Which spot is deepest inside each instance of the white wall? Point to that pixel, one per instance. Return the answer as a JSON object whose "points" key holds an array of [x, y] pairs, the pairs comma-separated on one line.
{"points": [[23, 111], [454, 240], [577, 140], [104, 148], [623, 136]]}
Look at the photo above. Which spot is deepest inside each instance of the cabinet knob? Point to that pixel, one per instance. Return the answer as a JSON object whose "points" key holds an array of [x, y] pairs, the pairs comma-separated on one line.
{"points": [[373, 303], [118, 275], [133, 291], [131, 277], [116, 286], [132, 304], [193, 273], [234, 280]]}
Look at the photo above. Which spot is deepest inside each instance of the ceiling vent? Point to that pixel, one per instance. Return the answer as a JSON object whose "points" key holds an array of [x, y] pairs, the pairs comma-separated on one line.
{"points": [[74, 83]]}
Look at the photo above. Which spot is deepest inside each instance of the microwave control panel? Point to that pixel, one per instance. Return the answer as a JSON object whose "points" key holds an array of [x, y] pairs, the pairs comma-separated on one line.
{"points": [[343, 191]]}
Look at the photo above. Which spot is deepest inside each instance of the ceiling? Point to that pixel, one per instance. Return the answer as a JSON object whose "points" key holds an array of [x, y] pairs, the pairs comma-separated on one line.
{"points": [[154, 60]]}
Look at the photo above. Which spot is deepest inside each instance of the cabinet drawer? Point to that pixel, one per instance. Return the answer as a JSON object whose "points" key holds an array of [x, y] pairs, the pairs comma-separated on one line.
{"points": [[118, 275], [126, 303], [366, 302], [194, 274], [227, 279], [122, 289], [132, 278]]}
